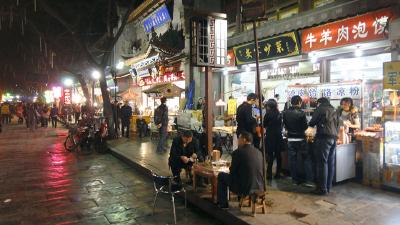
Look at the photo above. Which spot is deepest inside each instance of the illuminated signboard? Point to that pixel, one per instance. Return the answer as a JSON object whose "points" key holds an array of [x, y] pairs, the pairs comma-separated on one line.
{"points": [[367, 27], [67, 96], [157, 19], [167, 77]]}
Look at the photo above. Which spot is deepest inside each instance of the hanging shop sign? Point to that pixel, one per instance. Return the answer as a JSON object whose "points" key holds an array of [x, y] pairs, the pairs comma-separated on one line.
{"points": [[67, 96], [300, 68], [170, 69], [232, 106], [391, 75], [209, 42], [146, 62], [284, 45], [167, 77], [157, 19], [367, 27], [329, 90], [57, 93]]}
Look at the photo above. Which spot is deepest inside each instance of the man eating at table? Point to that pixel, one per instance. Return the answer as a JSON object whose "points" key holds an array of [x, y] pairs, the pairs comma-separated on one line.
{"points": [[183, 153], [246, 171]]}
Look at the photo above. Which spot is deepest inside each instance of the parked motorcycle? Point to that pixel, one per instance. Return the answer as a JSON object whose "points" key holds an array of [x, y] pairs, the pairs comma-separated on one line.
{"points": [[100, 140]]}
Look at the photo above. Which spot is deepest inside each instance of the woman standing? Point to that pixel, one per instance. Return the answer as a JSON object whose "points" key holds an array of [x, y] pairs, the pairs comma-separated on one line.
{"points": [[348, 115], [31, 117], [273, 137]]}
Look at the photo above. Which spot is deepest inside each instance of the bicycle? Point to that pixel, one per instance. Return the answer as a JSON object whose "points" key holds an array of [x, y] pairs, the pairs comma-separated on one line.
{"points": [[79, 137]]}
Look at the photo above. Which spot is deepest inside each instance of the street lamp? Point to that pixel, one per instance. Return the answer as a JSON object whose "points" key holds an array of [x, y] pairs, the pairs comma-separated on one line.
{"points": [[96, 75], [68, 82], [120, 65]]}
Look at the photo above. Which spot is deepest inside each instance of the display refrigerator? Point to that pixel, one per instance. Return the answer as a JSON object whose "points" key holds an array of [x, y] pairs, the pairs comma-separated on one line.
{"points": [[391, 118]]}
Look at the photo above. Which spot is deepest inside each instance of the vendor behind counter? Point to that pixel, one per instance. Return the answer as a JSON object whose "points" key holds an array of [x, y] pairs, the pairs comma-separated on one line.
{"points": [[349, 120]]}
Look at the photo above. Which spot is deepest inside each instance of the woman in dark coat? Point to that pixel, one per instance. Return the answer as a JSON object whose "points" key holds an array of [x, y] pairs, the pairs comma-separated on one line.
{"points": [[273, 137]]}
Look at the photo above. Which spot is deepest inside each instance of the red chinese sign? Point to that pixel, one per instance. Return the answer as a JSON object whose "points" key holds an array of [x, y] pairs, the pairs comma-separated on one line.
{"points": [[67, 96], [367, 27], [167, 77]]}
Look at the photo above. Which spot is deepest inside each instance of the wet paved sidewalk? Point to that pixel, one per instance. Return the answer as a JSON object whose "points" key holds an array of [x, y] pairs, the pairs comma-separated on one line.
{"points": [[350, 203], [41, 183]]}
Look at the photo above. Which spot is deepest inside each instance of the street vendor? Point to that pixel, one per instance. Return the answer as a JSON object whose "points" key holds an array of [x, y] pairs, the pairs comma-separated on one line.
{"points": [[348, 115], [183, 153]]}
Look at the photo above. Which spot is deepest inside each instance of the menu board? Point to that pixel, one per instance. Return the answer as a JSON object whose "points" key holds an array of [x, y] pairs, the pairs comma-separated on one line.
{"points": [[328, 90]]}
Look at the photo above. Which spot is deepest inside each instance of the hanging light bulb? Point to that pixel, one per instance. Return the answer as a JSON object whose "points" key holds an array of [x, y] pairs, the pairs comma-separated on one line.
{"points": [[358, 52]]}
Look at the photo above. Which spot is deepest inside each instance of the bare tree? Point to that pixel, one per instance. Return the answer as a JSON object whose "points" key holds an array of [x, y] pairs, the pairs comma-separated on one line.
{"points": [[99, 63]]}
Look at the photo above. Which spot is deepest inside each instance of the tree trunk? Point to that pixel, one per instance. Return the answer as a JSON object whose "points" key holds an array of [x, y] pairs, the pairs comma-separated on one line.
{"points": [[107, 106], [85, 88]]}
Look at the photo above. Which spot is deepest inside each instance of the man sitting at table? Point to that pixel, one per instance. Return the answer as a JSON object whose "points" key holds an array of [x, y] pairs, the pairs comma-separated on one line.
{"points": [[183, 153], [246, 171]]}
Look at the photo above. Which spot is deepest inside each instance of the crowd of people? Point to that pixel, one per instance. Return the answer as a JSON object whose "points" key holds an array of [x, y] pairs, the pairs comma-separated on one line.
{"points": [[39, 114], [310, 165]]}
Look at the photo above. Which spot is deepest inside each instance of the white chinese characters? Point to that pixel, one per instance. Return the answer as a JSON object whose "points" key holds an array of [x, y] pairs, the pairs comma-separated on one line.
{"points": [[380, 24], [310, 39], [326, 36], [360, 30], [367, 27], [343, 33]]}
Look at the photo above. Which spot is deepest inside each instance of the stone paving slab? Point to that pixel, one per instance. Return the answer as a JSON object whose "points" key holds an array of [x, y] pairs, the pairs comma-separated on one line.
{"points": [[349, 202], [41, 183]]}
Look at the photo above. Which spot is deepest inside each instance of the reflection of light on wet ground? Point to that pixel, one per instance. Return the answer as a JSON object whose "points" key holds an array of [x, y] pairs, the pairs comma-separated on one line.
{"points": [[144, 149]]}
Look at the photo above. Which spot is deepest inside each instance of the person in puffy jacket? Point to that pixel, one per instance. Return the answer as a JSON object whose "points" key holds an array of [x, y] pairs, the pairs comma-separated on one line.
{"points": [[326, 120], [295, 122], [161, 121]]}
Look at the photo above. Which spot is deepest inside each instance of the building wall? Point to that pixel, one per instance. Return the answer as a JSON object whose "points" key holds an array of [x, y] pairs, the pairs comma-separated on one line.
{"points": [[336, 10]]}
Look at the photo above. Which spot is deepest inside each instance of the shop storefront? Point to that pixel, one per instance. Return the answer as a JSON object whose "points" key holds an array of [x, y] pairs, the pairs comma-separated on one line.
{"points": [[340, 59], [169, 82]]}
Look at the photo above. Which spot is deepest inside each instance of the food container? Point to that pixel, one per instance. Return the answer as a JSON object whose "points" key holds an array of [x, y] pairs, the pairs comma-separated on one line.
{"points": [[216, 155]]}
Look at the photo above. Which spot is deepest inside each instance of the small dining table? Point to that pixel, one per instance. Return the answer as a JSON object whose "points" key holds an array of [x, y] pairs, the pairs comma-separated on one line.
{"points": [[209, 171]]}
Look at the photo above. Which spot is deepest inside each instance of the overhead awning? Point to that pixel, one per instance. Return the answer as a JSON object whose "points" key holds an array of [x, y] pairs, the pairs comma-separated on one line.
{"points": [[167, 90], [129, 94]]}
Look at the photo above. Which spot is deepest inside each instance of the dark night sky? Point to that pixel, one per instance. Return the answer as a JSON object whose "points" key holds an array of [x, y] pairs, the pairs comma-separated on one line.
{"points": [[23, 62]]}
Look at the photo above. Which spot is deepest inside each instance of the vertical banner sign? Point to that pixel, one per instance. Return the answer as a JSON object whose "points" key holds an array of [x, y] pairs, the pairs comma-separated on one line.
{"points": [[367, 27], [209, 42], [391, 75], [67, 96]]}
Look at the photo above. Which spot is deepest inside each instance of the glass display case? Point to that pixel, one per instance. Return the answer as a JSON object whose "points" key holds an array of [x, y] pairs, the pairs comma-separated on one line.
{"points": [[391, 154]]}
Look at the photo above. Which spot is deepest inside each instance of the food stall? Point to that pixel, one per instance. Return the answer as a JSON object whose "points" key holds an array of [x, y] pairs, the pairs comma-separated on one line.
{"points": [[171, 92], [346, 148]]}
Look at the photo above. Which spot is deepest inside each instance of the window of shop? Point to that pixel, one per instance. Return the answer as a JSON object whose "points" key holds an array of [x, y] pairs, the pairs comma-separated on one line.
{"points": [[360, 68], [369, 70]]}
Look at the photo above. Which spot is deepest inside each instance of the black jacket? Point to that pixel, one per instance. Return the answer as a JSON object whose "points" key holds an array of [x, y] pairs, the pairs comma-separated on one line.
{"points": [[245, 119], [273, 135], [126, 113], [326, 119], [177, 150], [295, 122], [161, 115], [247, 170]]}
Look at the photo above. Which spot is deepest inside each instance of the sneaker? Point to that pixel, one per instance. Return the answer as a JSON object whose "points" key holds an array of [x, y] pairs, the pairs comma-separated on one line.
{"points": [[309, 185], [319, 192]]}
